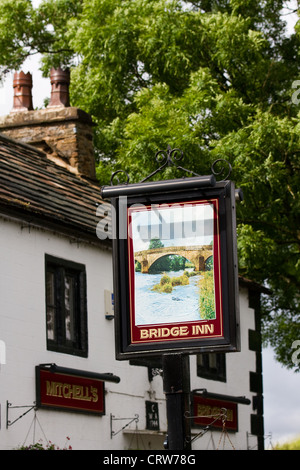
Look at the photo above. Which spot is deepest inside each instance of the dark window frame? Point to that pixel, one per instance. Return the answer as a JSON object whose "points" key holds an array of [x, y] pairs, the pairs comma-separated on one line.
{"points": [[72, 276], [207, 371]]}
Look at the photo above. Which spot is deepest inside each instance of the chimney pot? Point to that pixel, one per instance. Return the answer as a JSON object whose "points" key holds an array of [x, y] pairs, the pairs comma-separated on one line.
{"points": [[22, 84], [60, 80]]}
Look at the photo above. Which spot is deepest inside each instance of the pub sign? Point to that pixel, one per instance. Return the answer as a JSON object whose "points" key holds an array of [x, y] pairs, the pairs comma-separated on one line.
{"points": [[175, 268]]}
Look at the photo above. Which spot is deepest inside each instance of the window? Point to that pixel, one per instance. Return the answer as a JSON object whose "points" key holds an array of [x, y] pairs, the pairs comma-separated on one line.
{"points": [[66, 306], [212, 366]]}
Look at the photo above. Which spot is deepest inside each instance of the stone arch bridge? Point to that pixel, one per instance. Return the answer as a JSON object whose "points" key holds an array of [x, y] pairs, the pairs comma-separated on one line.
{"points": [[197, 255]]}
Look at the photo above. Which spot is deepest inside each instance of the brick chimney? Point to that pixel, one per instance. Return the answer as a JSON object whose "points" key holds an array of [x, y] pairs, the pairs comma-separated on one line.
{"points": [[63, 132], [60, 80], [22, 85]]}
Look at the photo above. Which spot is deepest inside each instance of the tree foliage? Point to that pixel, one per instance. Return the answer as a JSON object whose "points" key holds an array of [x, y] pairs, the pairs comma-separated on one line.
{"points": [[289, 445], [155, 243], [212, 77]]}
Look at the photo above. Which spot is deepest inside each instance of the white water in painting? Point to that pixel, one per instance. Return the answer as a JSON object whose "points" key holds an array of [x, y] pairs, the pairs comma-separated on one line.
{"points": [[180, 305]]}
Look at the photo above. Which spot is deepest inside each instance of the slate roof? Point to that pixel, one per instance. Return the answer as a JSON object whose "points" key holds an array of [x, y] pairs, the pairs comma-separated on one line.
{"points": [[37, 190]]}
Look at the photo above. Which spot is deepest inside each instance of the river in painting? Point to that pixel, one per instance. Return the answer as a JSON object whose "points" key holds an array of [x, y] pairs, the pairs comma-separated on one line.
{"points": [[180, 305]]}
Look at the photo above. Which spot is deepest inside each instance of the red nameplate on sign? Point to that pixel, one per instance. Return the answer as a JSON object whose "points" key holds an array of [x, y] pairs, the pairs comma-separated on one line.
{"points": [[69, 392], [207, 410]]}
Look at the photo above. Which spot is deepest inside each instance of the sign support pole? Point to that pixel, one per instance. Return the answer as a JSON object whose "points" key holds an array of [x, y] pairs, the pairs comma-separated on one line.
{"points": [[131, 203], [176, 382]]}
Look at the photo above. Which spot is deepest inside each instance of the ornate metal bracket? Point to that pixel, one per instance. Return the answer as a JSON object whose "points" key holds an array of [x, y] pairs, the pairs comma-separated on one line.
{"points": [[10, 406], [222, 170], [114, 176], [171, 157], [222, 415]]}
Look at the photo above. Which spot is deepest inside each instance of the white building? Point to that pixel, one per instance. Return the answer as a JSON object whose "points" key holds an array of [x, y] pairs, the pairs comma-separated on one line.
{"points": [[55, 287]]}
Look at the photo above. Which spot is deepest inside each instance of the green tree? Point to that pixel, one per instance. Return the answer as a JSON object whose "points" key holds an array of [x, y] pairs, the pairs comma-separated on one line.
{"points": [[212, 77], [155, 243]]}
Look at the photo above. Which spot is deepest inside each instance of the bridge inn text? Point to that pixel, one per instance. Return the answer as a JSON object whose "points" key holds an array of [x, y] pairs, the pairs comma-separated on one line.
{"points": [[177, 331]]}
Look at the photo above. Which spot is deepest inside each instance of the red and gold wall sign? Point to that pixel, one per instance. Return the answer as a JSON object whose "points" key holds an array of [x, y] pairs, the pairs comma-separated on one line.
{"points": [[70, 392], [208, 411]]}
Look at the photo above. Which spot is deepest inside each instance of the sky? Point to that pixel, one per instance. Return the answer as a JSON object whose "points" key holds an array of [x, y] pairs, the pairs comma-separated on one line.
{"points": [[281, 401], [192, 224], [281, 387]]}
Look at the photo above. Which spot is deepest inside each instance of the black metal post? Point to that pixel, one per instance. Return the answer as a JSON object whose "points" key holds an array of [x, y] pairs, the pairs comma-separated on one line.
{"points": [[176, 381]]}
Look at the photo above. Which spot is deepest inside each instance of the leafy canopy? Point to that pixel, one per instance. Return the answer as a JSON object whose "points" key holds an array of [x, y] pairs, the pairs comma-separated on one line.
{"points": [[212, 77]]}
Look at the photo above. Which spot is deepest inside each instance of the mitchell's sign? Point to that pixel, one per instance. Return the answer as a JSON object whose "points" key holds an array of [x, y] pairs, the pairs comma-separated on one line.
{"points": [[69, 392]]}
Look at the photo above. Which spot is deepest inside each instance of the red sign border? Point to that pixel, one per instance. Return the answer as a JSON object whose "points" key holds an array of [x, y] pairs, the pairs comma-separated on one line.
{"points": [[185, 327]]}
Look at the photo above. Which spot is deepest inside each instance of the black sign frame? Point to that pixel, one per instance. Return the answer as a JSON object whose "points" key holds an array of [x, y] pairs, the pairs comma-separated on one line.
{"points": [[222, 192]]}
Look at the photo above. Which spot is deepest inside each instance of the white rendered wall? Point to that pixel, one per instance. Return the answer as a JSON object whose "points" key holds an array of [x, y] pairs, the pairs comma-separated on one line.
{"points": [[23, 331]]}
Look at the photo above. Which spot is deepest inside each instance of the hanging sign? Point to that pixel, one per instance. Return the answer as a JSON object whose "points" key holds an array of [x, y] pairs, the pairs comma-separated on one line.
{"points": [[175, 268]]}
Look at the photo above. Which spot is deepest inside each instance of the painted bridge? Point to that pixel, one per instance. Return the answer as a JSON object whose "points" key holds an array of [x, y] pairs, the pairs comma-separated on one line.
{"points": [[198, 255]]}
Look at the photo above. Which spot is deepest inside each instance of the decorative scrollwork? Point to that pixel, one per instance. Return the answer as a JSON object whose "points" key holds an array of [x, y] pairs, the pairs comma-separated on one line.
{"points": [[176, 158], [222, 170], [161, 157], [114, 176], [169, 158], [155, 371]]}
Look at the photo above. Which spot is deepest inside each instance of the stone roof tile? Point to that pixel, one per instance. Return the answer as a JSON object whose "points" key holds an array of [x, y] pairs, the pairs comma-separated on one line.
{"points": [[35, 188]]}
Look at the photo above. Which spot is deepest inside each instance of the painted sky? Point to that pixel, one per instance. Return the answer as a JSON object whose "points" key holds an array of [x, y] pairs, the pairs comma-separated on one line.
{"points": [[174, 224]]}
